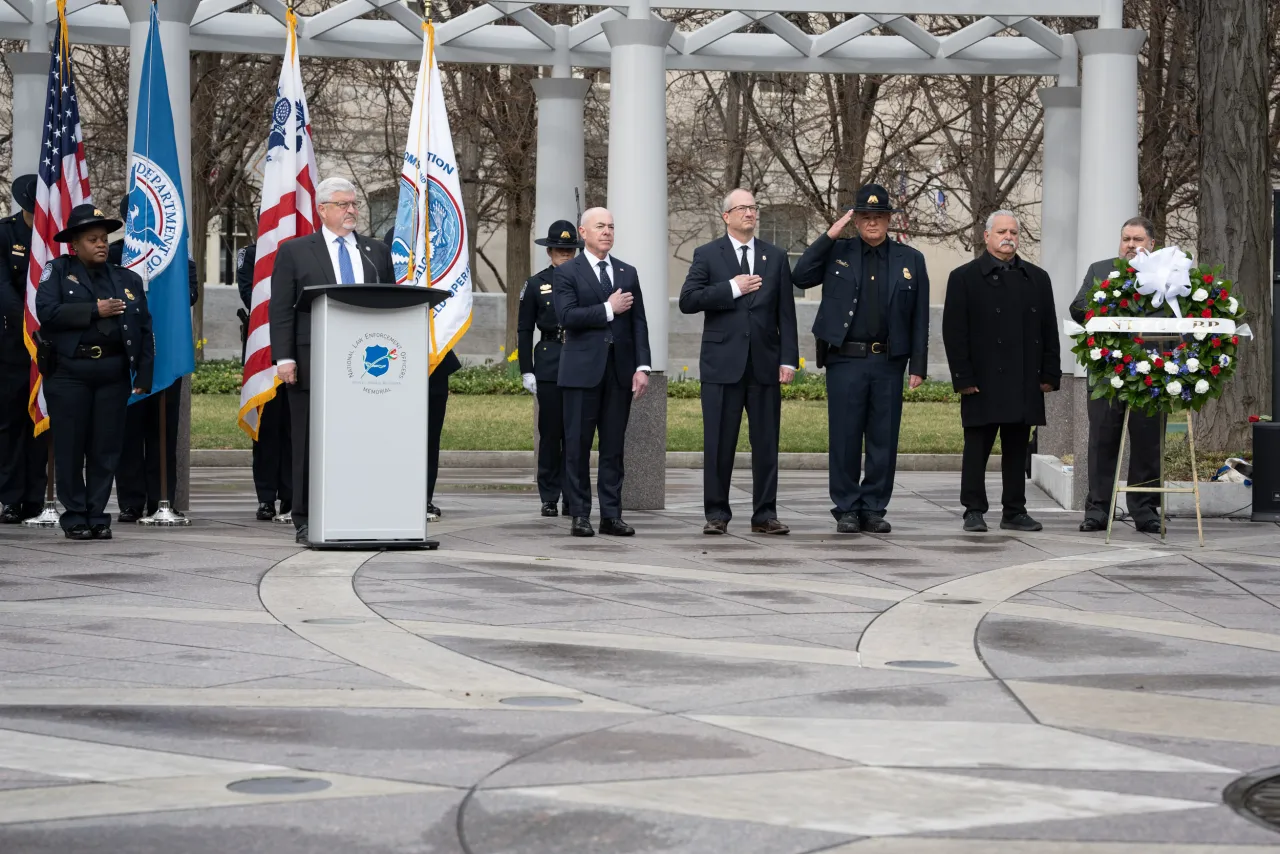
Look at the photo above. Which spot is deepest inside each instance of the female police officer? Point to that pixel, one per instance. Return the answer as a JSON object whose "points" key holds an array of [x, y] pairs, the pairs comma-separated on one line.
{"points": [[93, 316]]}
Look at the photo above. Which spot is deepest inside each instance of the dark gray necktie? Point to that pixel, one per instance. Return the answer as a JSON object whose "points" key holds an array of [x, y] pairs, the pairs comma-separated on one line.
{"points": [[746, 268], [605, 281]]}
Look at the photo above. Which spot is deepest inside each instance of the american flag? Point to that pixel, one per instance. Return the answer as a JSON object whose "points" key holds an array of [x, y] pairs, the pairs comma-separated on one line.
{"points": [[288, 211], [63, 183]]}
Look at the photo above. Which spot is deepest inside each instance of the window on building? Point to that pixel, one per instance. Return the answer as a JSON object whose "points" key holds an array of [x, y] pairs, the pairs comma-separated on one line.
{"points": [[786, 226], [382, 210]]}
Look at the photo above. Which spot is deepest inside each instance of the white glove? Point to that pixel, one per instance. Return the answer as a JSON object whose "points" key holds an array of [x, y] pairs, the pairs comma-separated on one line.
{"points": [[530, 384]]}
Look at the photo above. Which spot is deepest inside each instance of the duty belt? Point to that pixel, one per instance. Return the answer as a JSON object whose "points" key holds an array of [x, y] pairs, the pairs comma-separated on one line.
{"points": [[97, 351], [552, 334], [861, 349]]}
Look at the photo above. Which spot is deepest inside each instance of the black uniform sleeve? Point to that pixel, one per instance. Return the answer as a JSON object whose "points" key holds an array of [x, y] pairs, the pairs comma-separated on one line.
{"points": [[919, 365], [193, 282], [787, 319], [284, 287], [810, 269], [524, 326], [53, 314], [144, 374], [11, 292]]}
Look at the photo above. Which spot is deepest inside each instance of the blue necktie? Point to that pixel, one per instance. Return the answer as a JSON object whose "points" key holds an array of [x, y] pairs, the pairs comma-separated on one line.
{"points": [[346, 273]]}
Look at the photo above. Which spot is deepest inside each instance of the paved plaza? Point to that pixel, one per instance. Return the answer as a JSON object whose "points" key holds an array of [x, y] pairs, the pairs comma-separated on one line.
{"points": [[217, 689]]}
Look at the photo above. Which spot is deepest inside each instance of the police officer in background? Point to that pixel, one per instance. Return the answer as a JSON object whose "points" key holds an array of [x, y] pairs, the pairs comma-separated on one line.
{"points": [[872, 328], [23, 457], [539, 368], [138, 475], [273, 451], [93, 317]]}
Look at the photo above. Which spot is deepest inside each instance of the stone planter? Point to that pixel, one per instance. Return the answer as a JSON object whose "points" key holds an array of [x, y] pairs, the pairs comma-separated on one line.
{"points": [[1217, 500]]}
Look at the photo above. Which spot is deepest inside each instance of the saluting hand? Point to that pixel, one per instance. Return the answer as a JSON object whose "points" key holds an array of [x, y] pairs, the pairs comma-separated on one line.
{"points": [[841, 224]]}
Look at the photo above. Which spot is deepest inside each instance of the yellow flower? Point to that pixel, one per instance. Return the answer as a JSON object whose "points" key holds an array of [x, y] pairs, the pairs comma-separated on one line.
{"points": [[802, 363], [501, 349], [685, 368], [515, 354]]}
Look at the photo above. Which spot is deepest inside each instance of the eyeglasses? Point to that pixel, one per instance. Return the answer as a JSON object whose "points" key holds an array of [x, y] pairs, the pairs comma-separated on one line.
{"points": [[745, 209], [346, 206]]}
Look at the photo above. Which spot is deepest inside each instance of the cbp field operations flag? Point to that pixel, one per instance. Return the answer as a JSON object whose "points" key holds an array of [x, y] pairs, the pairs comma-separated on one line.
{"points": [[155, 230], [288, 211], [430, 244]]}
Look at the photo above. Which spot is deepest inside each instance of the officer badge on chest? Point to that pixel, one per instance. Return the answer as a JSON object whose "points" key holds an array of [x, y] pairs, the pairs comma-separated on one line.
{"points": [[906, 274], [129, 294], [545, 289]]}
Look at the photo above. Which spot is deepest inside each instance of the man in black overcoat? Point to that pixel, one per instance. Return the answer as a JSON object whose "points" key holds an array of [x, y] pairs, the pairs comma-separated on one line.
{"points": [[540, 365], [1106, 417], [872, 328], [749, 349], [1000, 331]]}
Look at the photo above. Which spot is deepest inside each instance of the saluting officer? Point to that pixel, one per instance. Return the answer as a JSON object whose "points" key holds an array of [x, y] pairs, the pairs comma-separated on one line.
{"points": [[23, 457], [94, 314], [872, 327], [138, 475], [539, 368]]}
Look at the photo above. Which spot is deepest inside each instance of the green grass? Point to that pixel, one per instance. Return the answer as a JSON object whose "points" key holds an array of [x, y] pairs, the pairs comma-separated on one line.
{"points": [[505, 423]]}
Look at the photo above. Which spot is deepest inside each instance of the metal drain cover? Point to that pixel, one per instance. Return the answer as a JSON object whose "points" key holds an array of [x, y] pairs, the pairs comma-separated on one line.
{"points": [[539, 701], [922, 665], [1257, 797], [954, 601], [334, 621], [279, 785]]}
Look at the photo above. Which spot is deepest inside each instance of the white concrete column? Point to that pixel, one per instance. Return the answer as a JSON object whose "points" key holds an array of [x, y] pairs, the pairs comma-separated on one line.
{"points": [[1060, 203], [561, 158], [175, 36], [638, 200], [30, 71], [1108, 141]]}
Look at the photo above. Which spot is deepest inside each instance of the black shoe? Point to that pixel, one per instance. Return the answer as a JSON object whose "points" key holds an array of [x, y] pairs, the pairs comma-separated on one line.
{"points": [[875, 525], [1090, 525], [616, 528], [78, 532], [1020, 522], [715, 526], [848, 524], [581, 527], [549, 509], [770, 526], [1151, 526], [11, 516], [564, 510], [266, 511], [974, 523], [433, 510], [129, 515], [301, 537], [101, 532]]}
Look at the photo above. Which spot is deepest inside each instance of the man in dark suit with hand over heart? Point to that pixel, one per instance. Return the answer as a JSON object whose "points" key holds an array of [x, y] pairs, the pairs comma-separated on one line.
{"points": [[604, 364], [749, 349], [334, 255]]}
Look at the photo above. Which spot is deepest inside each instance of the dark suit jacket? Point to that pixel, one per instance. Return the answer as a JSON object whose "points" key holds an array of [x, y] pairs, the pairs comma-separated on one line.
{"points": [[837, 266], [65, 306], [580, 301], [1001, 334], [762, 323], [245, 260], [301, 263], [1097, 270]]}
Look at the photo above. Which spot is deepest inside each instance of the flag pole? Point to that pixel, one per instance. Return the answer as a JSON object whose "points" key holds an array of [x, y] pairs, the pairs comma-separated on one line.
{"points": [[49, 515]]}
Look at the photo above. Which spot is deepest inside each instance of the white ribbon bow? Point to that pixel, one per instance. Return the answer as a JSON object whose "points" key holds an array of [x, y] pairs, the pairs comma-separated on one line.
{"points": [[1163, 276]]}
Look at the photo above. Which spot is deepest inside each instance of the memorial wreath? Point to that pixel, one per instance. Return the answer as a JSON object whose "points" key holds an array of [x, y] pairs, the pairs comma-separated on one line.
{"points": [[1166, 294]]}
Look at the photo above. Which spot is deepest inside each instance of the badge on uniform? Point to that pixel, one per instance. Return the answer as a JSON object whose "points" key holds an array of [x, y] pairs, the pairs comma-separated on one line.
{"points": [[545, 289], [906, 274], [842, 262], [19, 249], [73, 279], [46, 272], [128, 293]]}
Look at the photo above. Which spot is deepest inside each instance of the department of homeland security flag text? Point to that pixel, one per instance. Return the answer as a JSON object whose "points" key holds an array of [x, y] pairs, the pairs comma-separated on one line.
{"points": [[430, 244], [155, 229], [288, 211], [63, 183]]}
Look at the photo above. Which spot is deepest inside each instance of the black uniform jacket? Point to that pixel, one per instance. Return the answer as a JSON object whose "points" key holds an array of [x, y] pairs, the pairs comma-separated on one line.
{"points": [[1001, 334], [762, 323], [837, 266], [580, 300], [66, 306], [538, 308], [15, 249]]}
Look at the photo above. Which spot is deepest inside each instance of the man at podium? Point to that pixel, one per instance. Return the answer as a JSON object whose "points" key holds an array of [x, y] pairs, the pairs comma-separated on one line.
{"points": [[334, 255]]}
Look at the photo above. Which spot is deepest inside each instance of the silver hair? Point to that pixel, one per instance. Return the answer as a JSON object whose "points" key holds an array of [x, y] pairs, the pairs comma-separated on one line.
{"points": [[727, 204], [589, 212], [991, 220], [329, 186]]}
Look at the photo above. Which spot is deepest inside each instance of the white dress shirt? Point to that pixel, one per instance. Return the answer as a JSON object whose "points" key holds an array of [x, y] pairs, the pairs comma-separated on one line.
{"points": [[357, 263], [613, 278], [737, 254]]}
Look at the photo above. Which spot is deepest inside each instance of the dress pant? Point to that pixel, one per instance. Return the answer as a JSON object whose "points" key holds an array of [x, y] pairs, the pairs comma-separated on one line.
{"points": [[87, 401], [978, 442], [722, 405], [1106, 422], [550, 441], [299, 424], [437, 403], [138, 476], [605, 407], [864, 404], [273, 453], [24, 458]]}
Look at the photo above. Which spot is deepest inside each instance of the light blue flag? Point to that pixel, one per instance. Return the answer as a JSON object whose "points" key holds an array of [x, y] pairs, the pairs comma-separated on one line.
{"points": [[155, 231]]}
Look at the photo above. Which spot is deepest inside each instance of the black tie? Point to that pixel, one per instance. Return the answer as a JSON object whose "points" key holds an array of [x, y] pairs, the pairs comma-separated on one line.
{"points": [[605, 281], [746, 268]]}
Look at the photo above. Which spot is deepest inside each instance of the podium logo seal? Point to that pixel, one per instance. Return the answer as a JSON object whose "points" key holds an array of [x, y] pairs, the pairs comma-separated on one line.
{"points": [[377, 362]]}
